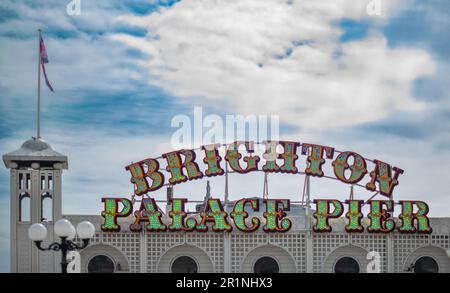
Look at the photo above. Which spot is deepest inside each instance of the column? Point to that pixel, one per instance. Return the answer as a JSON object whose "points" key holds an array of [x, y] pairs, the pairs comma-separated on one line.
{"points": [[143, 251], [57, 195], [14, 217], [227, 252], [309, 252], [35, 215], [390, 252]]}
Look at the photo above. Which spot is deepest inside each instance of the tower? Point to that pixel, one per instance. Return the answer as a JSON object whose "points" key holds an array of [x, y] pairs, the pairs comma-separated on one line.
{"points": [[36, 171]]}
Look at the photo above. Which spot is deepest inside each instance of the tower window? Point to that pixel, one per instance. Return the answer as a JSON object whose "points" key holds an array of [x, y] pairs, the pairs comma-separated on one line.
{"points": [[28, 181], [21, 183], [46, 207], [24, 207], [184, 265], [426, 265], [24, 181], [101, 264], [43, 182], [346, 265], [266, 265]]}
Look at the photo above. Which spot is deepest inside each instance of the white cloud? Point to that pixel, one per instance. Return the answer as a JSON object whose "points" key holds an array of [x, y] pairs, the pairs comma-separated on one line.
{"points": [[81, 57], [212, 49]]}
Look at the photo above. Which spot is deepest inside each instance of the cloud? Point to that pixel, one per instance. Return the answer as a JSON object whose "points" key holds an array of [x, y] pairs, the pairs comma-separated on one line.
{"points": [[92, 75], [274, 57]]}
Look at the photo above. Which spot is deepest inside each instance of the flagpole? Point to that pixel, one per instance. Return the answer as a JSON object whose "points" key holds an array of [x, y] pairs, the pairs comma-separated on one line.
{"points": [[39, 88]]}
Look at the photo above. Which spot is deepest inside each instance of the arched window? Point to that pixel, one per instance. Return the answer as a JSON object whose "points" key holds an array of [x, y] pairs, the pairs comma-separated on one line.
{"points": [[46, 207], [426, 265], [101, 264], [266, 265], [346, 265], [24, 207], [183, 265]]}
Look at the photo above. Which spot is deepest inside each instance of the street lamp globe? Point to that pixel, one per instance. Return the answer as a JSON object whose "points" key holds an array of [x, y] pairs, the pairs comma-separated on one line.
{"points": [[63, 228], [73, 233], [37, 232], [85, 230]]}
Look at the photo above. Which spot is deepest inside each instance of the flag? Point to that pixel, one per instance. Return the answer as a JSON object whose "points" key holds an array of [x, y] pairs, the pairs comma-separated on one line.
{"points": [[44, 60]]}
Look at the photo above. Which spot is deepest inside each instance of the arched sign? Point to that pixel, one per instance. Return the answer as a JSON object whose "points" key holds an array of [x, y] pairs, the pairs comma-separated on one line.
{"points": [[348, 167]]}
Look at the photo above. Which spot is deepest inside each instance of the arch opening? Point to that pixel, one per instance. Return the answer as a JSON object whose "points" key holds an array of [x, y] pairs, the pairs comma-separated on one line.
{"points": [[184, 265], [426, 265], [24, 207], [101, 264], [46, 207], [266, 265], [346, 265]]}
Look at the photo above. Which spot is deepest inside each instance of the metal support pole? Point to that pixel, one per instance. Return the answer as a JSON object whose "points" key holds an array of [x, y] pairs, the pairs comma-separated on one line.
{"points": [[309, 233], [38, 116], [266, 187], [64, 248], [306, 201], [226, 185]]}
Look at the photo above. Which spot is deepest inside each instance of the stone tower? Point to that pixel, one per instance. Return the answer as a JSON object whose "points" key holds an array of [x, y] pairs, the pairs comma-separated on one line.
{"points": [[36, 171]]}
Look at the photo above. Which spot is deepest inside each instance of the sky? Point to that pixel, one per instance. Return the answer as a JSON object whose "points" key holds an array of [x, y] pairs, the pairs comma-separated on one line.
{"points": [[335, 75]]}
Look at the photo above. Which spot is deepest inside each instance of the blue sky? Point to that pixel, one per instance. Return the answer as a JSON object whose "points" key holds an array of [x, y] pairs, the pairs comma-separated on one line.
{"points": [[123, 69]]}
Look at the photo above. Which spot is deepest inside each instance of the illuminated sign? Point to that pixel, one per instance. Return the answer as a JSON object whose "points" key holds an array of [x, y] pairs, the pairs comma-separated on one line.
{"points": [[278, 157]]}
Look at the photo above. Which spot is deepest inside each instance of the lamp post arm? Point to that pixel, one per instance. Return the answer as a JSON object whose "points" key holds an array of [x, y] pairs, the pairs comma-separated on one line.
{"points": [[64, 247], [73, 246], [55, 246]]}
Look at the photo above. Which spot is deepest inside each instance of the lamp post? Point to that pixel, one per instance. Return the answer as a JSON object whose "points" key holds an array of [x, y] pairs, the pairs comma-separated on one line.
{"points": [[66, 231]]}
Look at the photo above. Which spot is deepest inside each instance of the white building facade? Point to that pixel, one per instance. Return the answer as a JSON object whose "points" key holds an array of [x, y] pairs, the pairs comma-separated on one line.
{"points": [[36, 179]]}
